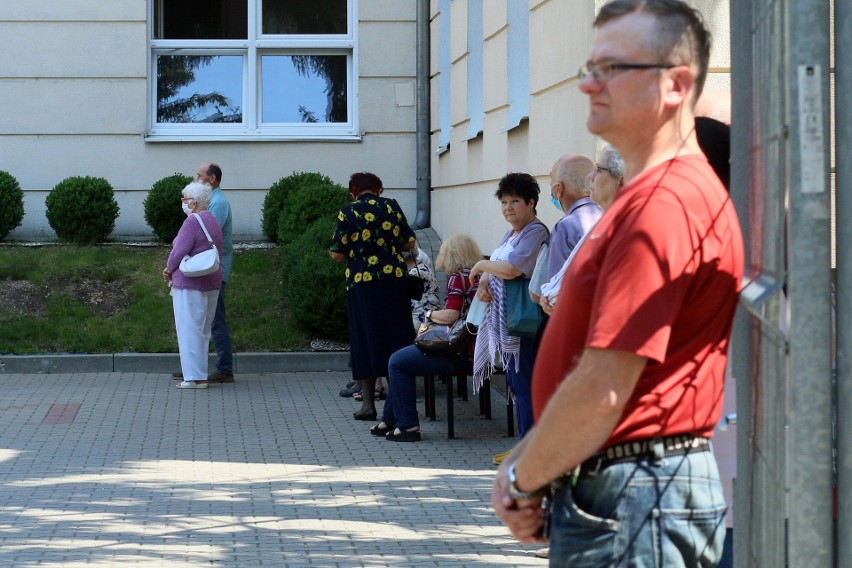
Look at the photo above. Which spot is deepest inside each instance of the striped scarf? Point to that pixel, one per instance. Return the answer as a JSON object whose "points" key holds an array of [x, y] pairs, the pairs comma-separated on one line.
{"points": [[492, 339]]}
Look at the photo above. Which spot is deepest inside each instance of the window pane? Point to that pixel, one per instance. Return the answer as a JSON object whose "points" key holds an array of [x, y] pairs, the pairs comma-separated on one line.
{"points": [[201, 19], [304, 17], [199, 88], [304, 88]]}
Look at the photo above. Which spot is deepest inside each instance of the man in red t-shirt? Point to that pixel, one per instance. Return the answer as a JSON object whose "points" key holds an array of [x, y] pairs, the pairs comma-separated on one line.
{"points": [[628, 382]]}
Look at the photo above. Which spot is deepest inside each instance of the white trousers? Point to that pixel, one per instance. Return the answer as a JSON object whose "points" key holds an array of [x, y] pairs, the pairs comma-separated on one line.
{"points": [[194, 311]]}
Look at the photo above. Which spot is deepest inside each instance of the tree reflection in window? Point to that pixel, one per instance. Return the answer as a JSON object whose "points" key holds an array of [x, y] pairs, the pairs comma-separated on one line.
{"points": [[304, 88], [178, 99]]}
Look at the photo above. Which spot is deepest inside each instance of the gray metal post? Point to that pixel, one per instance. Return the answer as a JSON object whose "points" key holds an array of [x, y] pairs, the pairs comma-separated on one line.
{"points": [[811, 525], [423, 155], [758, 175], [843, 211], [742, 348]]}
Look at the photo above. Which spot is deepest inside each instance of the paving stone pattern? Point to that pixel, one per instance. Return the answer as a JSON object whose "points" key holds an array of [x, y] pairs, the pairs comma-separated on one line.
{"points": [[269, 471]]}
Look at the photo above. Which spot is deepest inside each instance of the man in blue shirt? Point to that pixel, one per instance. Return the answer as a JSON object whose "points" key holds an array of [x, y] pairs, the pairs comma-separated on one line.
{"points": [[570, 189], [220, 208]]}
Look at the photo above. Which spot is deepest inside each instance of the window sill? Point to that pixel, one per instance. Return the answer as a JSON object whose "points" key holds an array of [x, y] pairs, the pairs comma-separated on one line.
{"points": [[252, 138]]}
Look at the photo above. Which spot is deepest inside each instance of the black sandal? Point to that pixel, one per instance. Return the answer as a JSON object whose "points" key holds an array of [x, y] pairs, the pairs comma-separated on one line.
{"points": [[377, 430], [403, 436], [369, 414]]}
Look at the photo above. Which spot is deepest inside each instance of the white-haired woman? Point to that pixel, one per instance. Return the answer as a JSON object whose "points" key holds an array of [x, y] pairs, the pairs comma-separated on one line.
{"points": [[608, 176], [194, 298]]}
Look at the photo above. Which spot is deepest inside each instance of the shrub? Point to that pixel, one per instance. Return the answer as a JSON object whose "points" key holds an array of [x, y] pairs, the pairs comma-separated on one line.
{"points": [[279, 193], [314, 285], [82, 210], [306, 204], [11, 204], [163, 212]]}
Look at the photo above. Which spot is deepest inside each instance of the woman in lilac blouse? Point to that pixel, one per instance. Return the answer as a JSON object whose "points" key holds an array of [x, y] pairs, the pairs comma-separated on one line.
{"points": [[194, 298]]}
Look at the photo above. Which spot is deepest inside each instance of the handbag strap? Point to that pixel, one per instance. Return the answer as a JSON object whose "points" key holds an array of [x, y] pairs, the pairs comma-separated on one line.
{"points": [[465, 301], [206, 234]]}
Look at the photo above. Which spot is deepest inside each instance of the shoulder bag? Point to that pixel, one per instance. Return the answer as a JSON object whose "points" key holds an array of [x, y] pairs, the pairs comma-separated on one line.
{"points": [[204, 263], [522, 316]]}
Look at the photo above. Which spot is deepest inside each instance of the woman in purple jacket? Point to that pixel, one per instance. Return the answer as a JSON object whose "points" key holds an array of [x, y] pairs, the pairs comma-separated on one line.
{"points": [[194, 298]]}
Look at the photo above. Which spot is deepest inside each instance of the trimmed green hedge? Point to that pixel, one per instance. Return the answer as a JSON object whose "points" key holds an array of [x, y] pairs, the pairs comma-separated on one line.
{"points": [[307, 204], [163, 211], [279, 195], [11, 204], [82, 210], [314, 286]]}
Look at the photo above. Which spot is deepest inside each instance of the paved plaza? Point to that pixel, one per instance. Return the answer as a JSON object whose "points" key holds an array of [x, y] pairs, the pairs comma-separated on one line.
{"points": [[123, 469]]}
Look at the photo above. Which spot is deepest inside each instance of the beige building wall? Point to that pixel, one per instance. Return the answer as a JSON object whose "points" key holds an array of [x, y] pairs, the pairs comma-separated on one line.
{"points": [[73, 78], [465, 177]]}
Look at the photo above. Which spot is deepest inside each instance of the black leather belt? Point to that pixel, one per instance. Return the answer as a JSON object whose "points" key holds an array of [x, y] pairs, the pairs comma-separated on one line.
{"points": [[635, 450]]}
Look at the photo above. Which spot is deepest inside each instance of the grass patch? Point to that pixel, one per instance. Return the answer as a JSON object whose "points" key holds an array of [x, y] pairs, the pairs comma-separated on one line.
{"points": [[112, 299]]}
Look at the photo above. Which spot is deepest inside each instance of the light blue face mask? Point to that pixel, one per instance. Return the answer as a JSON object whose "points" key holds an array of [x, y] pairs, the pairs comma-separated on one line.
{"points": [[555, 202]]}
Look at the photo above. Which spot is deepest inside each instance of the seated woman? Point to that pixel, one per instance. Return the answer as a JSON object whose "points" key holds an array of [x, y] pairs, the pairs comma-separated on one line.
{"points": [[400, 422]]}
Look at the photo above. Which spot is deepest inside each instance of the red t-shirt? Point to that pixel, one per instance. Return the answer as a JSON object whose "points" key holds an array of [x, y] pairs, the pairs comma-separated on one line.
{"points": [[658, 276]]}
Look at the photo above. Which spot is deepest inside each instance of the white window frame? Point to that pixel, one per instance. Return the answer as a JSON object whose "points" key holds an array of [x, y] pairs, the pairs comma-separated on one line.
{"points": [[252, 49]]}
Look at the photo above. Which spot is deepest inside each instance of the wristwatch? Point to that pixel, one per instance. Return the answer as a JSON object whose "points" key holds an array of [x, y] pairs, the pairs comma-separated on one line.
{"points": [[518, 494], [429, 314]]}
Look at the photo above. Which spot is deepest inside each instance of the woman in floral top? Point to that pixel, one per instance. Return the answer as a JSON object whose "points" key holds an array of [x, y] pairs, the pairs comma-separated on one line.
{"points": [[370, 236]]}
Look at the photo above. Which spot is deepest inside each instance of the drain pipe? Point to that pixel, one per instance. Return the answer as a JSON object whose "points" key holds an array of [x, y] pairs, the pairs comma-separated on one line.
{"points": [[424, 177]]}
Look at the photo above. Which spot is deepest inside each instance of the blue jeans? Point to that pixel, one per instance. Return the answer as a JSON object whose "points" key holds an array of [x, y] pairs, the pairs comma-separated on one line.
{"points": [[222, 336], [406, 364], [520, 382], [647, 513]]}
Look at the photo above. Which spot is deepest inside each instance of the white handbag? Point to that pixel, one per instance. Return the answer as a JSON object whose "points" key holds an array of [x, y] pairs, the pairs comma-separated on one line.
{"points": [[204, 263]]}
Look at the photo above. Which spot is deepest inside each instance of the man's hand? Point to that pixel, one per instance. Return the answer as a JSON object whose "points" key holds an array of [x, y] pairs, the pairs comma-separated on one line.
{"points": [[525, 519]]}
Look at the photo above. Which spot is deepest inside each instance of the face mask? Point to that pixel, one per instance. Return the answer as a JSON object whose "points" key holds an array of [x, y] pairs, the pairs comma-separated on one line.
{"points": [[555, 202], [186, 208]]}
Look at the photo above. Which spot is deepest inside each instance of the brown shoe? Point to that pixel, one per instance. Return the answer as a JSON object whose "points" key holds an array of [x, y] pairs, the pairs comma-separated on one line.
{"points": [[219, 377]]}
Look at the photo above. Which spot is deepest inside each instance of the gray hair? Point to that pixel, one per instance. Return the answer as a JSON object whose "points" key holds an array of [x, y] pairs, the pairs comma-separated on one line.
{"points": [[572, 171], [200, 192], [614, 161]]}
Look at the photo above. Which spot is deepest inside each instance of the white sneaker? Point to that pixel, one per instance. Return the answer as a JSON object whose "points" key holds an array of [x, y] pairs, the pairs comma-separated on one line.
{"points": [[192, 385]]}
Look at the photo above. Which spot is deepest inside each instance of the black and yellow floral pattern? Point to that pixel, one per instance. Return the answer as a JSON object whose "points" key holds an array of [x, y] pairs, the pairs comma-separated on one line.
{"points": [[371, 232]]}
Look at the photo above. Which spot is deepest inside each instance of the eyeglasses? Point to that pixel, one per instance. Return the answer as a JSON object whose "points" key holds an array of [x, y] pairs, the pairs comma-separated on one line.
{"points": [[603, 72], [604, 169]]}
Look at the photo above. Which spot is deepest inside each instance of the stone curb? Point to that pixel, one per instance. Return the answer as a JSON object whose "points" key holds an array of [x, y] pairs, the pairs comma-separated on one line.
{"points": [[244, 363]]}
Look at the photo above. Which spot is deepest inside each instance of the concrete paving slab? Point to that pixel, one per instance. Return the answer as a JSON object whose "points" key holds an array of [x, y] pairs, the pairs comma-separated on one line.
{"points": [[268, 471]]}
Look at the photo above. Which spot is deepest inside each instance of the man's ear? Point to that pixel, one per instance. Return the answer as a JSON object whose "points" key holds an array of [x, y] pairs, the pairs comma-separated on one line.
{"points": [[679, 83]]}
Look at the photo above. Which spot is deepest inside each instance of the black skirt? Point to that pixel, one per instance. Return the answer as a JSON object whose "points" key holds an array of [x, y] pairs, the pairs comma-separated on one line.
{"points": [[379, 315]]}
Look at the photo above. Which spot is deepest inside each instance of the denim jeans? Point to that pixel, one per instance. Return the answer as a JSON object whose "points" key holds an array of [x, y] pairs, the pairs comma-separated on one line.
{"points": [[406, 364], [520, 382], [222, 336], [647, 513]]}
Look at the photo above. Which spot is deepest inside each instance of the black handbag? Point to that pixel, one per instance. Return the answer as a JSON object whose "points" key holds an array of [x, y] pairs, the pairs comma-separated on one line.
{"points": [[442, 338], [445, 338]]}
